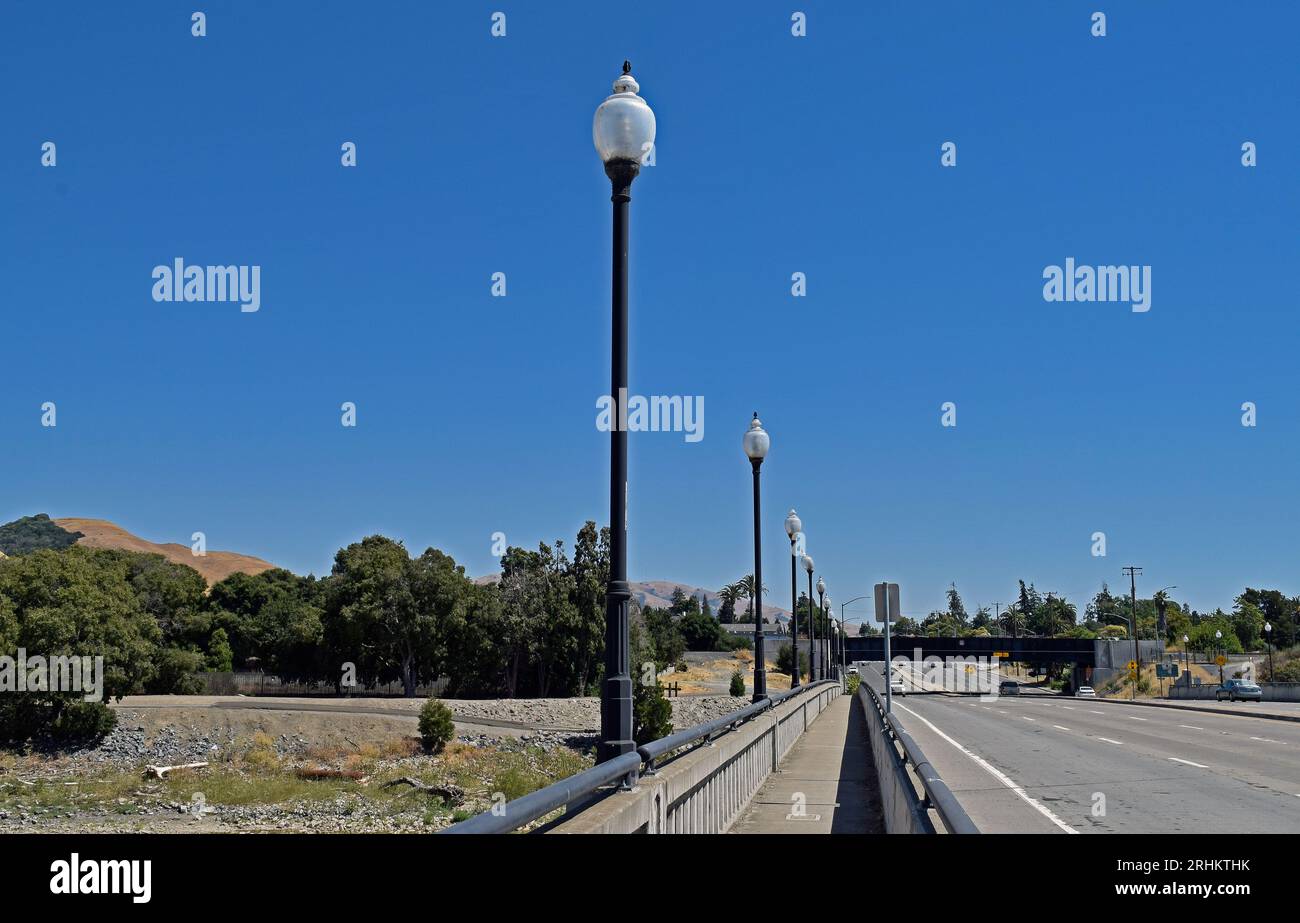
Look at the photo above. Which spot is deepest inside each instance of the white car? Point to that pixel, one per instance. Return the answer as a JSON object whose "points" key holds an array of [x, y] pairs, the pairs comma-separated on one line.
{"points": [[896, 686], [853, 671], [1085, 692]]}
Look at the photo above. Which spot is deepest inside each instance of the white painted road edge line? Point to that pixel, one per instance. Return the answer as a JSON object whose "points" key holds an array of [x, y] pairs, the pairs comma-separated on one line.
{"points": [[995, 773], [1109, 741], [1189, 763]]}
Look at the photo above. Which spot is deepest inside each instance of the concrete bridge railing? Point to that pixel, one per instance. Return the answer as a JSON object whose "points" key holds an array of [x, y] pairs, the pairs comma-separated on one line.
{"points": [[705, 789]]}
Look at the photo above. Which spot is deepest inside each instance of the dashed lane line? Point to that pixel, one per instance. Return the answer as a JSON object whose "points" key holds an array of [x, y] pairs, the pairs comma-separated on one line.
{"points": [[1109, 741], [996, 773], [1189, 763]]}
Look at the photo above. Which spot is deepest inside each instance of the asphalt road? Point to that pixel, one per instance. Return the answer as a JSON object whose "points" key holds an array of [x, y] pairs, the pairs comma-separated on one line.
{"points": [[1055, 764]]}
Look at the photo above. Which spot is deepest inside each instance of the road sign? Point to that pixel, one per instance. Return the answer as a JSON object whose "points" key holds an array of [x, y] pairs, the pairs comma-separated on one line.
{"points": [[1132, 665], [886, 601], [1002, 655], [1221, 660]]}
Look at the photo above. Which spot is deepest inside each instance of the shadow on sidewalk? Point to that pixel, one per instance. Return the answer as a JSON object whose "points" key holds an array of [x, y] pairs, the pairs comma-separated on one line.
{"points": [[858, 794]]}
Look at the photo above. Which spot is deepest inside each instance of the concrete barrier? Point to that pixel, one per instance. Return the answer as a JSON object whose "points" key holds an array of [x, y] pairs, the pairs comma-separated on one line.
{"points": [[1273, 692], [705, 789]]}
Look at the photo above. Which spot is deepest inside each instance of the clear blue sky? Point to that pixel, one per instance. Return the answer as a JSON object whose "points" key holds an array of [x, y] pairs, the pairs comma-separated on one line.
{"points": [[775, 154]]}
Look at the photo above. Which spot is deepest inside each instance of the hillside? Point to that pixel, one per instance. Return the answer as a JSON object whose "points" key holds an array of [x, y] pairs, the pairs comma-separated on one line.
{"points": [[214, 566]]}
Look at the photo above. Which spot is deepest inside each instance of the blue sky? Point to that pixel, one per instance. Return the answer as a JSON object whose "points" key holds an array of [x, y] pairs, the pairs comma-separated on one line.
{"points": [[775, 154]]}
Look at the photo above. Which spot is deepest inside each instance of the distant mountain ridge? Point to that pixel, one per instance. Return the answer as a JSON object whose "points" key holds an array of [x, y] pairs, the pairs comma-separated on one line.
{"points": [[32, 533], [215, 566], [659, 593]]}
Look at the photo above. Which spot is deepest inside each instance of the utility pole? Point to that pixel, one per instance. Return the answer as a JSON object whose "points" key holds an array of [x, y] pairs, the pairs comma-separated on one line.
{"points": [[1133, 573]]}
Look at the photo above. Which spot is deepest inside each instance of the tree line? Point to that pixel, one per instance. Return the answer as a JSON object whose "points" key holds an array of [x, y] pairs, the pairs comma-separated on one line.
{"points": [[1107, 615]]}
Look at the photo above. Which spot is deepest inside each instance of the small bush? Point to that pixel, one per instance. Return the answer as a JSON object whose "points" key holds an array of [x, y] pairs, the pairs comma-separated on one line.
{"points": [[436, 726], [737, 684], [851, 684], [682, 667], [652, 713]]}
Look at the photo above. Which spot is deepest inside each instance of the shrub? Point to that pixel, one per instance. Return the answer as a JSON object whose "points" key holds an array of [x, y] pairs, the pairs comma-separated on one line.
{"points": [[851, 684], [436, 726], [58, 722], [785, 660], [681, 666], [652, 713], [737, 683]]}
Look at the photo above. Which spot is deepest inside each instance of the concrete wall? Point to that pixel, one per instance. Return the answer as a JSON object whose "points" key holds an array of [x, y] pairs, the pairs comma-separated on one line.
{"points": [[1273, 692], [706, 789]]}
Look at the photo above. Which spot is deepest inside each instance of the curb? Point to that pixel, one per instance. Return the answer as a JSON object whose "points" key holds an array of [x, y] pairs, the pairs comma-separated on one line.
{"points": [[1209, 711]]}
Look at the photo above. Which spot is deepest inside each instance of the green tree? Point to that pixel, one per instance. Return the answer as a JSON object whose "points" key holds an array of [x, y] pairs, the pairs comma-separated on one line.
{"points": [[785, 661], [652, 713], [382, 611], [75, 602], [219, 655], [700, 632], [730, 595], [737, 687], [437, 726], [956, 609], [32, 533]]}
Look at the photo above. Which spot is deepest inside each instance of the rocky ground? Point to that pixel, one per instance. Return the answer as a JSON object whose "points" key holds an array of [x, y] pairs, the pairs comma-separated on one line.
{"points": [[256, 755]]}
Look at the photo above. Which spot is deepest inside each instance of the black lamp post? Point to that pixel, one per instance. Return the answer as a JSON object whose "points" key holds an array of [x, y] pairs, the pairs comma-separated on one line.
{"points": [[820, 673], [757, 443], [830, 640], [812, 623], [623, 130], [793, 526]]}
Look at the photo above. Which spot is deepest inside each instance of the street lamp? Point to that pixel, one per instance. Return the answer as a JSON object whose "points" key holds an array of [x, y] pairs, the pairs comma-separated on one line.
{"points": [[821, 610], [812, 624], [1218, 635], [1268, 630], [1185, 668], [793, 526], [828, 663], [757, 443], [623, 130]]}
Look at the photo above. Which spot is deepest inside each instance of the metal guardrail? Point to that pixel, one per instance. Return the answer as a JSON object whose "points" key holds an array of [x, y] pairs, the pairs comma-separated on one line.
{"points": [[937, 794], [626, 768]]}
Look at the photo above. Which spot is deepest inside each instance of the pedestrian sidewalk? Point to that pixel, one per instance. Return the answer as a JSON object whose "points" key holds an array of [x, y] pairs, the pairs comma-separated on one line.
{"points": [[825, 784]]}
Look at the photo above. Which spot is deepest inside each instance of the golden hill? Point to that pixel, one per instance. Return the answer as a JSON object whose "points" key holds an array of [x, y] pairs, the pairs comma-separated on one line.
{"points": [[214, 566]]}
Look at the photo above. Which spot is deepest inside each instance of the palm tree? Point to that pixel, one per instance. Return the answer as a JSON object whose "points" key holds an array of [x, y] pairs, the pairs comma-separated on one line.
{"points": [[730, 595], [746, 585]]}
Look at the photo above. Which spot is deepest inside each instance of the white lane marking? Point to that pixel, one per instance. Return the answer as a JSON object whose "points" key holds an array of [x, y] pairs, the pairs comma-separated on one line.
{"points": [[1109, 741], [1267, 740], [1135, 717], [997, 774], [1095, 712], [1189, 763], [1068, 707], [1191, 727], [1027, 718], [1059, 728]]}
